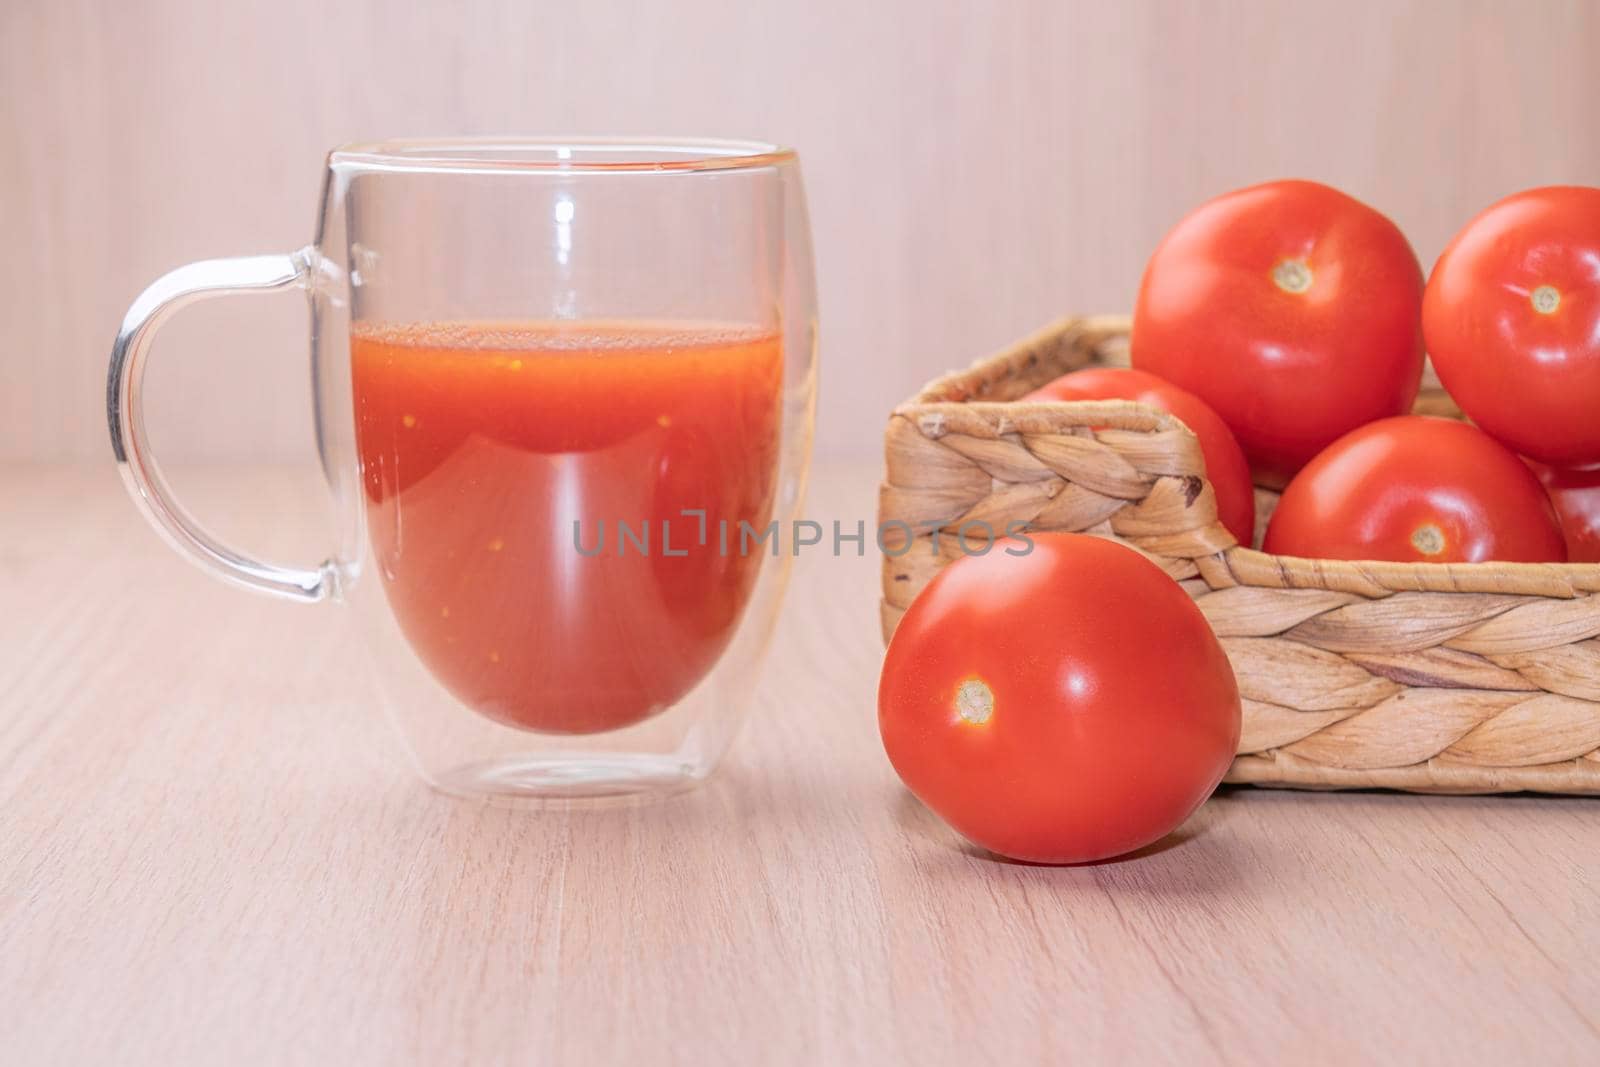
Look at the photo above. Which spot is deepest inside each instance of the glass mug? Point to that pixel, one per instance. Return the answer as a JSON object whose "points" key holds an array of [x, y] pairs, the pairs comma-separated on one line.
{"points": [[564, 395]]}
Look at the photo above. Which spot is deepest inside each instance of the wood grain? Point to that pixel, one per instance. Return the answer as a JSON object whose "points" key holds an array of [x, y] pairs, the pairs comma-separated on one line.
{"points": [[211, 849], [974, 169]]}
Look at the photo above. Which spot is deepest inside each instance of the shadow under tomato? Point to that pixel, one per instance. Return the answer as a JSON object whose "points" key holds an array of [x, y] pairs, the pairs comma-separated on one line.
{"points": [[1213, 869], [1182, 835]]}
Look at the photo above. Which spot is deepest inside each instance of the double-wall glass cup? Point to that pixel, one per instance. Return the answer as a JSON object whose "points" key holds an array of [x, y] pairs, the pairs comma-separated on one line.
{"points": [[564, 397]]}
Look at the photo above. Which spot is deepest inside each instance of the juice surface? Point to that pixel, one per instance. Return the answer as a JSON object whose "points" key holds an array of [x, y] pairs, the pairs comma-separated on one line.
{"points": [[483, 444]]}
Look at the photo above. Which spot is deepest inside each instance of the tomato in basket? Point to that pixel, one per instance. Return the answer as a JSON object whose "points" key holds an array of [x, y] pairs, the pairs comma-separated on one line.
{"points": [[1576, 495], [1063, 704], [1512, 320], [1416, 489], [1293, 310], [1226, 468]]}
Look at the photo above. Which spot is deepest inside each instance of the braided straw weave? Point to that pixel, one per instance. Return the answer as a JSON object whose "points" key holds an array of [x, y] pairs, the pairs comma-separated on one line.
{"points": [[1459, 678]]}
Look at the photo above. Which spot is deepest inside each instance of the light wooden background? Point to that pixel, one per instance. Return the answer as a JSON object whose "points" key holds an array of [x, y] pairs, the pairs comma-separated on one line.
{"points": [[974, 168], [213, 851]]}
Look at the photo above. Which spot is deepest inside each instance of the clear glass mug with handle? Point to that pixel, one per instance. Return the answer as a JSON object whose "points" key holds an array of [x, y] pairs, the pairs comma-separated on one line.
{"points": [[564, 395]]}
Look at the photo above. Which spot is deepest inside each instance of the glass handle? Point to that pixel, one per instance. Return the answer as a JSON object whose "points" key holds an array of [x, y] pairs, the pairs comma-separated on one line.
{"points": [[131, 444]]}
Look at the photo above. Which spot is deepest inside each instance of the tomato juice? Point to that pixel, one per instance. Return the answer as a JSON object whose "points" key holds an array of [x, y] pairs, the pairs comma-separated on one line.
{"points": [[489, 448]]}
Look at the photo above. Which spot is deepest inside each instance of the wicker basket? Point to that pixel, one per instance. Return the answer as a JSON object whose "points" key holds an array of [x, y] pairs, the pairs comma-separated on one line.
{"points": [[1439, 678]]}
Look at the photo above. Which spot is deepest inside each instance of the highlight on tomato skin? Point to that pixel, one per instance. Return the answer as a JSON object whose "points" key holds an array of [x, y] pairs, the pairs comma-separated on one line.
{"points": [[1064, 705], [1226, 467], [1576, 496], [1511, 315], [1291, 309], [1416, 489]]}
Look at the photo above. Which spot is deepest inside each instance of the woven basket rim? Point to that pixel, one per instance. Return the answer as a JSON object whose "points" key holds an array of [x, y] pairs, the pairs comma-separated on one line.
{"points": [[942, 407]]}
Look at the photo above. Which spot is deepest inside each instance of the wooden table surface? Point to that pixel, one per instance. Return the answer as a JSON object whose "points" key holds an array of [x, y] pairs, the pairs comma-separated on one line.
{"points": [[213, 851]]}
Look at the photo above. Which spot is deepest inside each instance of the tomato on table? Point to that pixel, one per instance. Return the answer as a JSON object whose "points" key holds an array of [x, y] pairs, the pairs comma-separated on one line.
{"points": [[1576, 496], [1512, 319], [1290, 308], [1064, 705], [1416, 489], [1226, 468]]}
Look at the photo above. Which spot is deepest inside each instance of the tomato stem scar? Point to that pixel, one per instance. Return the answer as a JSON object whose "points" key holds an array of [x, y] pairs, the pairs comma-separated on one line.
{"points": [[1546, 299], [1428, 539], [974, 701], [1292, 275]]}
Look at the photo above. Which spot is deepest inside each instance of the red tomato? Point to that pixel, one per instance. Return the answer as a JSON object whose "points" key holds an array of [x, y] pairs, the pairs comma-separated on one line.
{"points": [[1292, 310], [1226, 468], [1576, 495], [1512, 318], [1416, 489], [1060, 706]]}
